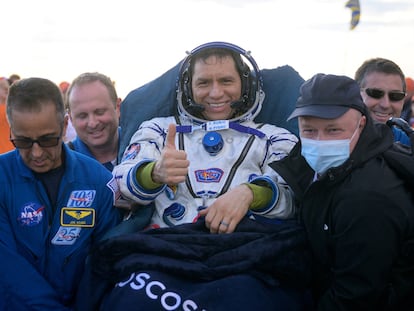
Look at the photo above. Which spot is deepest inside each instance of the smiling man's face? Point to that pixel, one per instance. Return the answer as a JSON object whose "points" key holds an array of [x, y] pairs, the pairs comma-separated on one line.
{"points": [[381, 109], [216, 84]]}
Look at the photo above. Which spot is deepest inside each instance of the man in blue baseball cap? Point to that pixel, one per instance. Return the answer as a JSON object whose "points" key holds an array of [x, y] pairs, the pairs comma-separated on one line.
{"points": [[358, 213]]}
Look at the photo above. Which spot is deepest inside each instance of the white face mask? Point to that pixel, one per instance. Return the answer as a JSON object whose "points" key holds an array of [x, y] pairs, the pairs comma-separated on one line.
{"points": [[324, 154]]}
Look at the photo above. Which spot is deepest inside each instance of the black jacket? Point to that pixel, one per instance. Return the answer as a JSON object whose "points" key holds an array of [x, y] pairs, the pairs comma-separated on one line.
{"points": [[359, 218]]}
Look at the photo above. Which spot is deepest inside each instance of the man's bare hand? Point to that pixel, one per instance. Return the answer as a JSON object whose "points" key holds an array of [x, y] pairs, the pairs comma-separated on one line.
{"points": [[172, 167], [228, 210]]}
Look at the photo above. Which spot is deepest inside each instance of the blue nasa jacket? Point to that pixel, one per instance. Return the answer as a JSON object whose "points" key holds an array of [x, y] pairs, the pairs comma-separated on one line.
{"points": [[43, 252]]}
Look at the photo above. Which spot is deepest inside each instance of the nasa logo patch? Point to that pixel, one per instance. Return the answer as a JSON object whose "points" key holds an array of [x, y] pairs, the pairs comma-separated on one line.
{"points": [[31, 214]]}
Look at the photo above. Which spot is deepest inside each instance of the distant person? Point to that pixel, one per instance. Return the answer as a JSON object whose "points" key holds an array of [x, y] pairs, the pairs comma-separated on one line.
{"points": [[4, 90], [408, 108], [357, 212], [13, 78], [70, 133], [5, 144], [383, 90], [93, 106], [55, 204], [64, 86], [210, 159]]}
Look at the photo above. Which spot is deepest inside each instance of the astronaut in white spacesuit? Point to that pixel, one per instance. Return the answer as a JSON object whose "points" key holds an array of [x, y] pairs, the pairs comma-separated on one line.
{"points": [[211, 159]]}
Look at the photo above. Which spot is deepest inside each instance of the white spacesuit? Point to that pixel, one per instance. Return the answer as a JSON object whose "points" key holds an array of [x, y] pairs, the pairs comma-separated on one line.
{"points": [[222, 153]]}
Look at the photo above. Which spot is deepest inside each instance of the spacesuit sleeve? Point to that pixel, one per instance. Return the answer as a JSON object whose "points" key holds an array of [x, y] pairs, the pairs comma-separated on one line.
{"points": [[282, 204], [145, 146]]}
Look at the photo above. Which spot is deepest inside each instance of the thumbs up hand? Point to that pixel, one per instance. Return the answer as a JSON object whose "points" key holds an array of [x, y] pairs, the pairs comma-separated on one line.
{"points": [[172, 167]]}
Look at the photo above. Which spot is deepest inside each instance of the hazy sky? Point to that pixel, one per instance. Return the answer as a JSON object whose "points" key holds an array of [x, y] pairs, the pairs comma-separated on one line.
{"points": [[135, 41]]}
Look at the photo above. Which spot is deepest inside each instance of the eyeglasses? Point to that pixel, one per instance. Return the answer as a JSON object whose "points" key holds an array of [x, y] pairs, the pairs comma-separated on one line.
{"points": [[26, 143], [393, 96]]}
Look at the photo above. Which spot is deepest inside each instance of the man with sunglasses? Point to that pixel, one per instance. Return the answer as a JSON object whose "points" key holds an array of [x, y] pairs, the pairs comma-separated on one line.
{"points": [[55, 204], [383, 90]]}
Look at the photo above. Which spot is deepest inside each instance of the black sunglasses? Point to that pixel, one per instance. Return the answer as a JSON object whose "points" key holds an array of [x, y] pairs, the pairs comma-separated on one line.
{"points": [[393, 96], [26, 143]]}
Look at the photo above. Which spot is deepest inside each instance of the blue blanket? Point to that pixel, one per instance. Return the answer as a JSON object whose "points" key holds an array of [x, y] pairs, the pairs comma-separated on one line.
{"points": [[258, 267]]}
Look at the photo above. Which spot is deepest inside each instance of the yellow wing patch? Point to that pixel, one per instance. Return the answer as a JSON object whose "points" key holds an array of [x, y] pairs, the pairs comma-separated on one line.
{"points": [[78, 214], [77, 217]]}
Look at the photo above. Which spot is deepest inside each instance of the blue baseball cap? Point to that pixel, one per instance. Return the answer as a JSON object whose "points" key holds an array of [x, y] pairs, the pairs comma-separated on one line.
{"points": [[328, 96]]}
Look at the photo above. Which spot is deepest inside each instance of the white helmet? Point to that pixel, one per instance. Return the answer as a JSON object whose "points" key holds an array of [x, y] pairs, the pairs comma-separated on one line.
{"points": [[250, 102]]}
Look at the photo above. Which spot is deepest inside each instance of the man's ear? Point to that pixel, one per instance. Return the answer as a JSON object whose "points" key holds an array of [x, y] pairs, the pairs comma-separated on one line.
{"points": [[363, 122], [65, 124], [118, 106]]}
